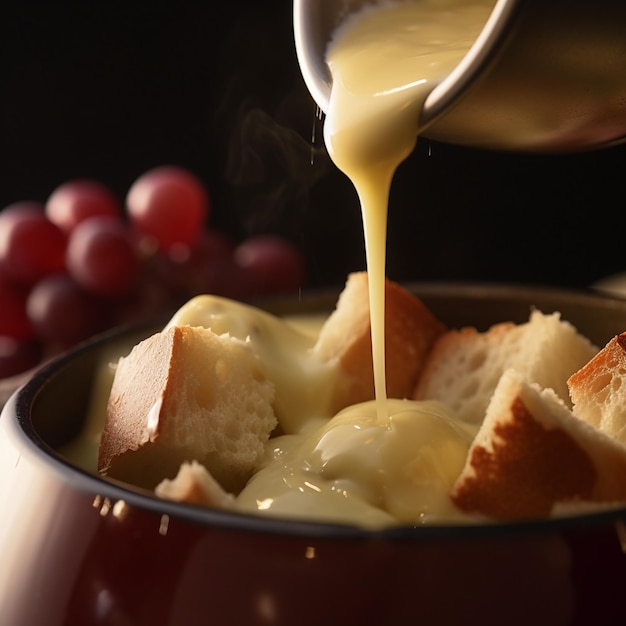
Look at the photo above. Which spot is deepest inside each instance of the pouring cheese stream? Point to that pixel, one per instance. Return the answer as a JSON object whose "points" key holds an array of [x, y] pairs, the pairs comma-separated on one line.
{"points": [[387, 461], [385, 61], [390, 460]]}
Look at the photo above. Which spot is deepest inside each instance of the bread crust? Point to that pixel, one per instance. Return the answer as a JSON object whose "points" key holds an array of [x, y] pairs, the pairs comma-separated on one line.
{"points": [[187, 394], [598, 389], [410, 332], [532, 454], [127, 426], [465, 365]]}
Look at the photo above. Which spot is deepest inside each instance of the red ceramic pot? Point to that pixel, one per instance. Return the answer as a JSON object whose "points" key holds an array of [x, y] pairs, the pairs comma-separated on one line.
{"points": [[79, 550]]}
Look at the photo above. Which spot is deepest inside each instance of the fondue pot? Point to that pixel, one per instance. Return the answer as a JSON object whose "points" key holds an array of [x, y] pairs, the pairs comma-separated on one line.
{"points": [[543, 76], [80, 549]]}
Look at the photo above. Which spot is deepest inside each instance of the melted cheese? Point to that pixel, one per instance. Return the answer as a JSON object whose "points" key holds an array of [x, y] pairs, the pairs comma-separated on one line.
{"points": [[402, 463], [384, 61], [388, 461], [353, 469], [384, 462], [304, 384]]}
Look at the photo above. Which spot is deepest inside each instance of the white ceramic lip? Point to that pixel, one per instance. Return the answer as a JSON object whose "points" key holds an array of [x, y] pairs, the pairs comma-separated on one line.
{"points": [[17, 417], [310, 50]]}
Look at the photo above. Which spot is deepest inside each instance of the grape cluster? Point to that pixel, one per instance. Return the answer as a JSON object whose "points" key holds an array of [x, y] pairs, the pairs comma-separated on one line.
{"points": [[82, 261]]}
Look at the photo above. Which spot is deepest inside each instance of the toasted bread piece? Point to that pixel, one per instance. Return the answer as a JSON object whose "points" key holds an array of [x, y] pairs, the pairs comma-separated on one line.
{"points": [[465, 365], [531, 453], [187, 394], [598, 389], [194, 485], [410, 331]]}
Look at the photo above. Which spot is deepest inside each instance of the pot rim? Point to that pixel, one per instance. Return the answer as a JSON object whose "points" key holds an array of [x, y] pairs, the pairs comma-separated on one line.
{"points": [[17, 413]]}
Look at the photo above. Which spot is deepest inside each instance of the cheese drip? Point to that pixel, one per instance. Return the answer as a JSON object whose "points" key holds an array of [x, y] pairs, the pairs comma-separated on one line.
{"points": [[385, 61], [353, 470], [388, 461]]}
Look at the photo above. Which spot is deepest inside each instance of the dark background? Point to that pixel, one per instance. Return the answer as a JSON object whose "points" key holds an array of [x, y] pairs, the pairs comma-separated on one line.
{"points": [[109, 90]]}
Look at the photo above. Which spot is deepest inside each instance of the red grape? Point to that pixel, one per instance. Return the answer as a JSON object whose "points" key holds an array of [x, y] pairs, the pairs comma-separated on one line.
{"points": [[102, 258], [148, 299], [191, 270], [74, 266], [233, 281], [31, 246], [61, 312], [14, 321], [211, 247], [76, 200], [274, 262], [170, 204], [214, 263], [18, 356]]}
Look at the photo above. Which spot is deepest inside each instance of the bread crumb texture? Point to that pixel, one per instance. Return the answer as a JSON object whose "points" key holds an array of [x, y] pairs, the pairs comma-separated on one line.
{"points": [[194, 485], [598, 390], [465, 365], [187, 394]]}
